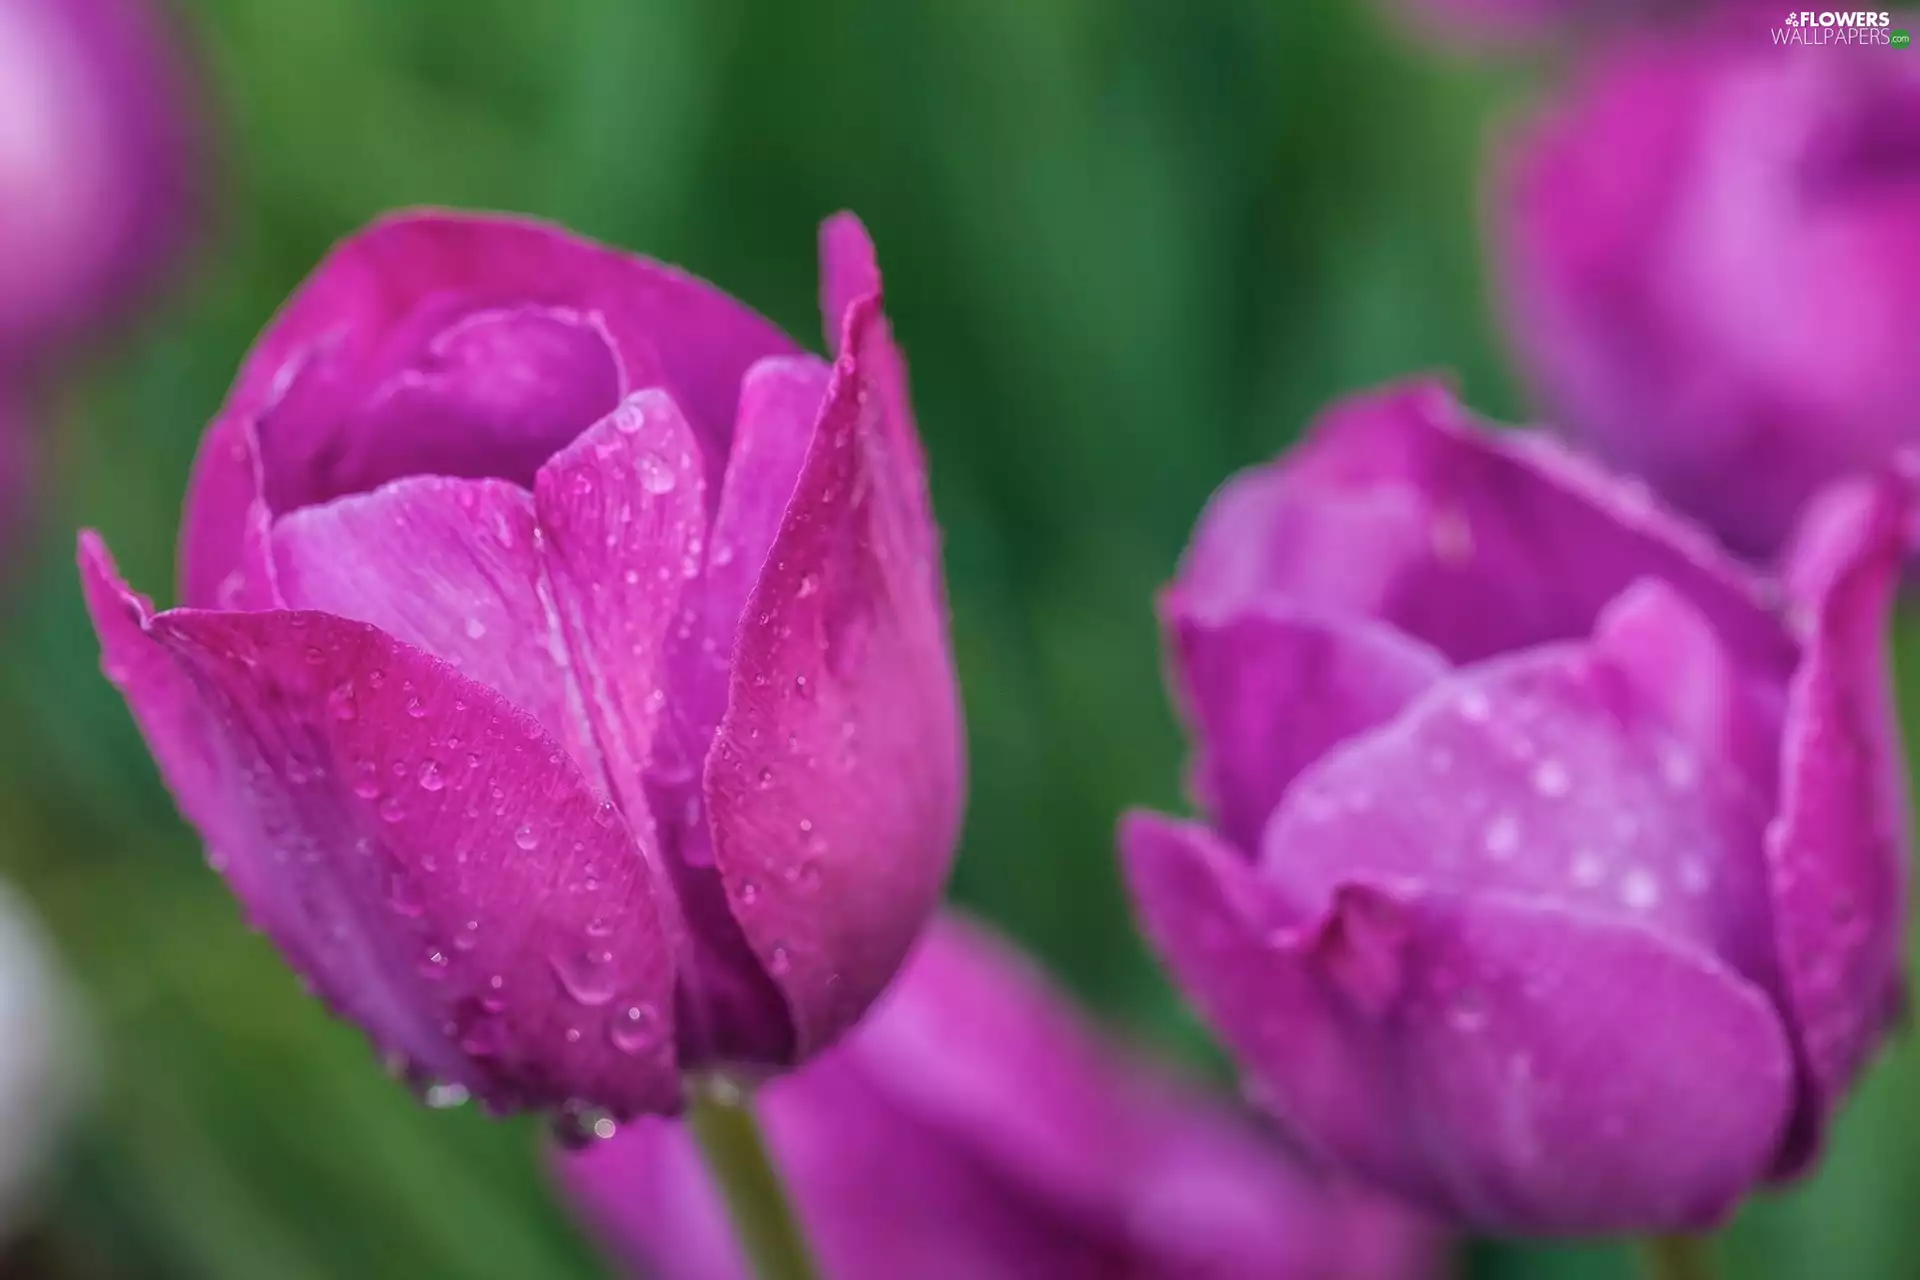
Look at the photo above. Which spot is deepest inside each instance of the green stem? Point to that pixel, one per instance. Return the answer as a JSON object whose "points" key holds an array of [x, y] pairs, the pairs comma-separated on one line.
{"points": [[737, 1156], [1678, 1257]]}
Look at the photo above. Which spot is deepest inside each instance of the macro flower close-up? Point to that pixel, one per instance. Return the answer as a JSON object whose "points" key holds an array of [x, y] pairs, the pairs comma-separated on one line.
{"points": [[557, 726], [1553, 871], [561, 677]]}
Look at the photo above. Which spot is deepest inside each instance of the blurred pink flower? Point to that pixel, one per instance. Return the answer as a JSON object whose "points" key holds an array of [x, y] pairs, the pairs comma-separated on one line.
{"points": [[977, 1126], [98, 163], [1710, 257], [563, 680]]}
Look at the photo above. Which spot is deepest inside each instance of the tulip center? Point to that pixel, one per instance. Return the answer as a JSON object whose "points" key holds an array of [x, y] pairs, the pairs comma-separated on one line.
{"points": [[483, 394]]}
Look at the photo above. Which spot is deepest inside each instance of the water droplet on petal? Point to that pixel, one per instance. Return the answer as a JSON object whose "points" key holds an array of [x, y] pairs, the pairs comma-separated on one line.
{"points": [[1550, 778], [431, 779], [402, 896], [586, 976], [780, 962], [578, 1125], [656, 476], [525, 837], [1502, 838], [341, 702], [1694, 876], [635, 1028], [1639, 889], [475, 628]]}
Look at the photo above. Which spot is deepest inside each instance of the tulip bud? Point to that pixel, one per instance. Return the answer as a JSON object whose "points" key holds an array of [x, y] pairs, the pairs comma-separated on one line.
{"points": [[563, 678], [1554, 870]]}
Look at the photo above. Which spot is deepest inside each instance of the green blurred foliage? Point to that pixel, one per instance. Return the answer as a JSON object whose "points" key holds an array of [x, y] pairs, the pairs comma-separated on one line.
{"points": [[1130, 245]]}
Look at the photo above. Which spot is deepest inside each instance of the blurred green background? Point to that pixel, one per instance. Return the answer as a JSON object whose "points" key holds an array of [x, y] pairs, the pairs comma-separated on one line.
{"points": [[1130, 245]]}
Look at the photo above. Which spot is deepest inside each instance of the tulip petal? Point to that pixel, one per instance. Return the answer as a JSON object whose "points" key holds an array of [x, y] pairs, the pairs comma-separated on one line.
{"points": [[450, 567], [849, 272], [1667, 649], [841, 675], [879, 1196], [1270, 689], [392, 835], [781, 401], [1838, 853], [1548, 776], [624, 513], [1037, 1097], [1398, 507], [487, 392], [1512, 1064], [383, 297]]}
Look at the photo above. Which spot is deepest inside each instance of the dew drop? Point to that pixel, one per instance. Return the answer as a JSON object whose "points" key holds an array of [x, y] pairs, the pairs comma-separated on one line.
{"points": [[780, 962], [433, 965], [1694, 876], [341, 702], [1468, 1013], [431, 779], [525, 838], [656, 476], [578, 1125], [1678, 767], [1502, 837], [475, 628], [416, 708], [402, 897], [1639, 890], [586, 976], [1550, 778], [468, 937], [809, 583], [635, 1028]]}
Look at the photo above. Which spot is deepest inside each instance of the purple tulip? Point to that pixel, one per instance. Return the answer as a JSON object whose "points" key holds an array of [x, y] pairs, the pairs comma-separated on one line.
{"points": [[1712, 268], [977, 1126], [97, 163], [1554, 875], [563, 681]]}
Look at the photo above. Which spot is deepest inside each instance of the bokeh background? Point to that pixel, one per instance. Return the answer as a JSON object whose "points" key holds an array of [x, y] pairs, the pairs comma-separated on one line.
{"points": [[1130, 245]]}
